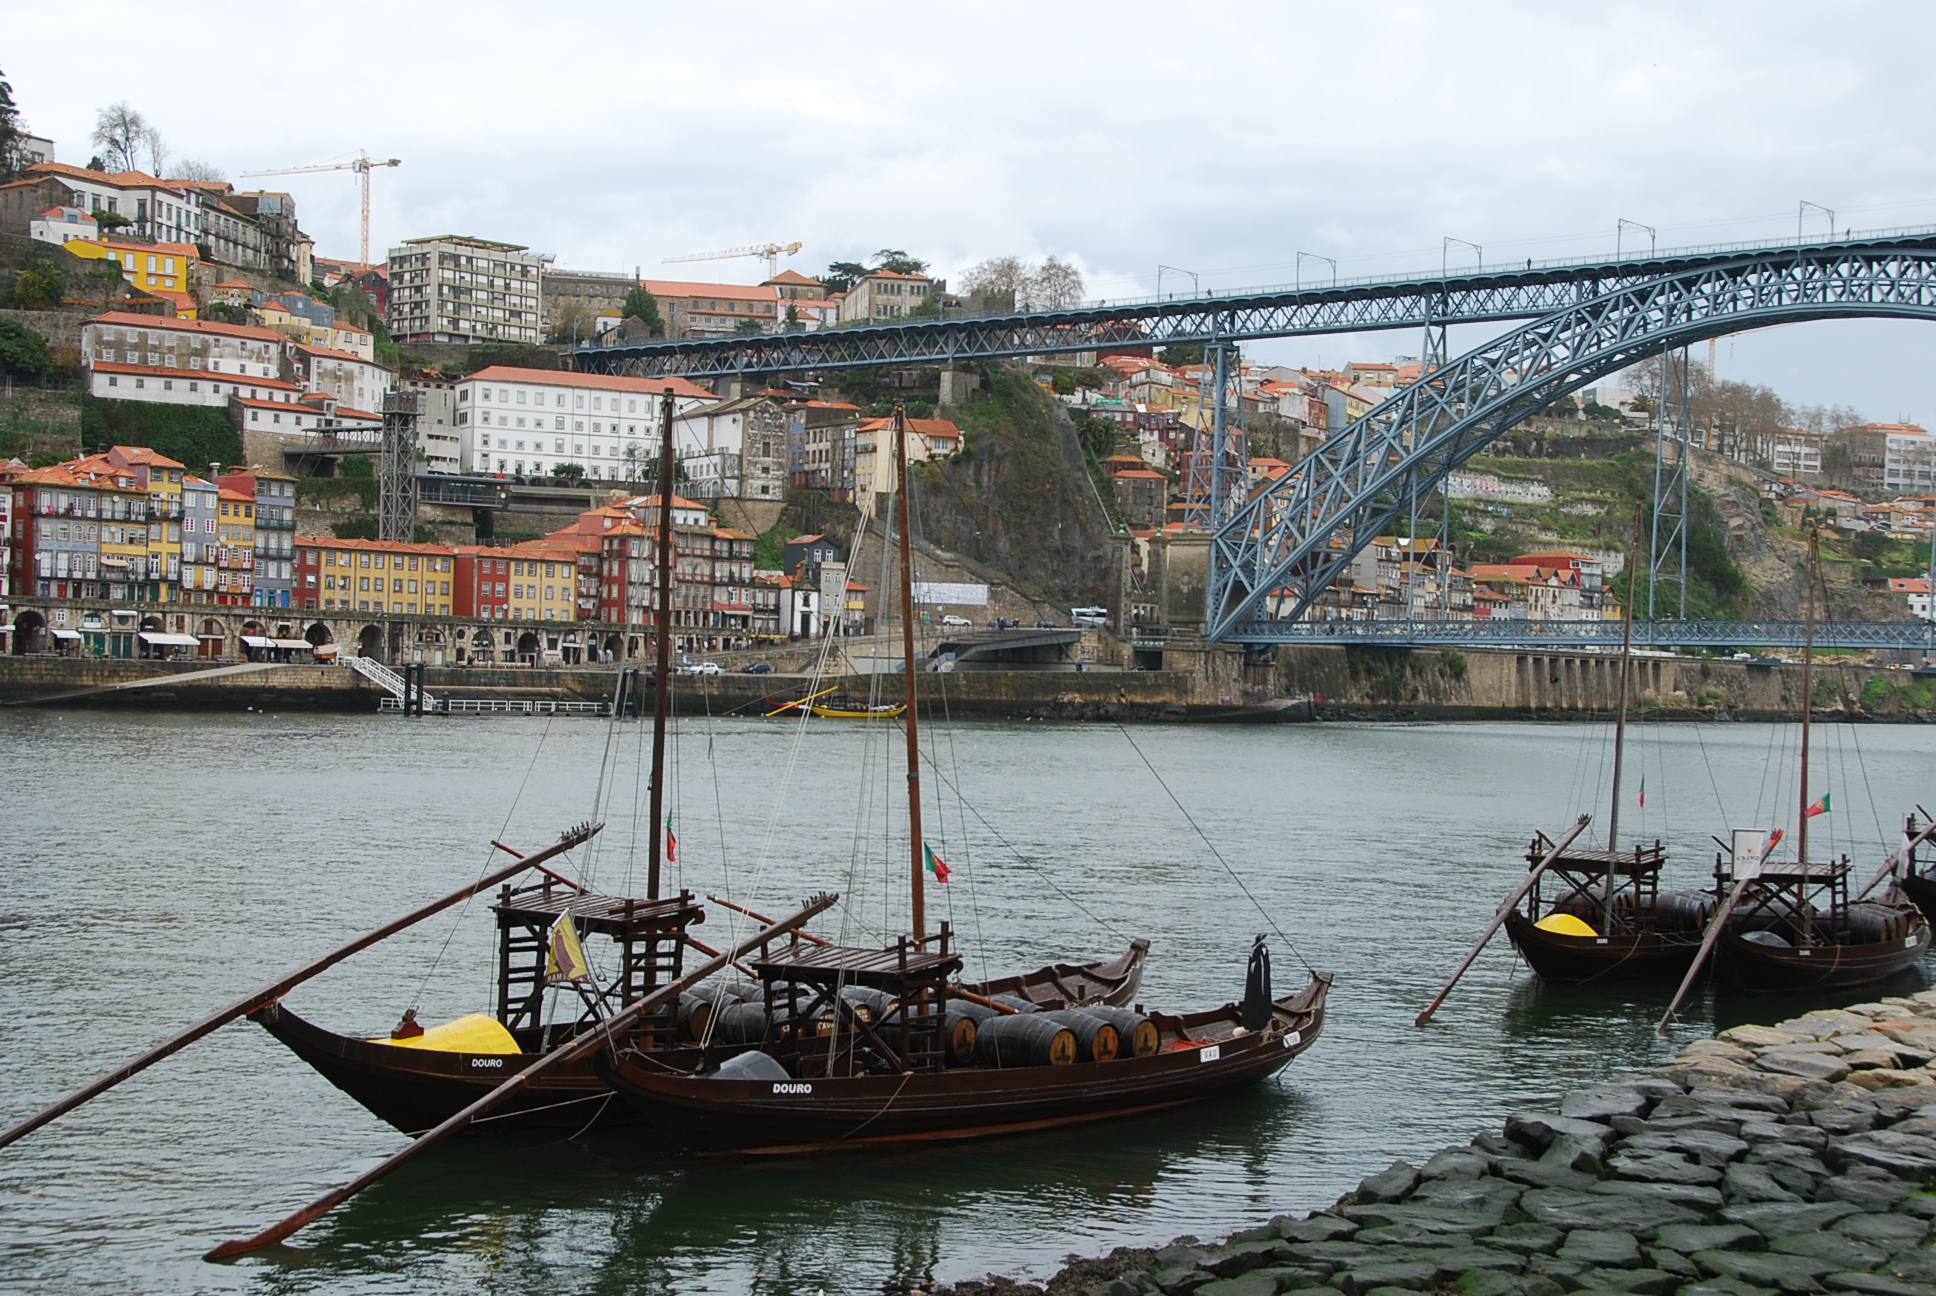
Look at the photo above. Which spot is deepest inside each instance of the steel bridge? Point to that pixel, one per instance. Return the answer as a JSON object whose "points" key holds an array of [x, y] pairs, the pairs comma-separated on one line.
{"points": [[1894, 636], [1588, 319]]}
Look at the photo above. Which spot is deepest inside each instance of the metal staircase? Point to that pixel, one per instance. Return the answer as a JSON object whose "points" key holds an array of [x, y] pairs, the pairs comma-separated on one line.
{"points": [[380, 675]]}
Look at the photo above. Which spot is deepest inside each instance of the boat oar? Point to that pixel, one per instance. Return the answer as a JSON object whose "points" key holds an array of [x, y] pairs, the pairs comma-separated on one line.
{"points": [[276, 989], [974, 998], [1895, 861], [809, 937], [1714, 928], [1499, 919], [571, 1050]]}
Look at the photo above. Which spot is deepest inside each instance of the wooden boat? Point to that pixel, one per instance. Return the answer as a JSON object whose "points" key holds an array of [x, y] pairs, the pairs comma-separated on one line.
{"points": [[1919, 888], [848, 1047], [1789, 927], [1611, 923], [851, 711]]}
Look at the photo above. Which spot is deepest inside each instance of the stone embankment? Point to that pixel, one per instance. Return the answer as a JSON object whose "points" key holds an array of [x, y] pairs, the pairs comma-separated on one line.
{"points": [[1790, 1159]]}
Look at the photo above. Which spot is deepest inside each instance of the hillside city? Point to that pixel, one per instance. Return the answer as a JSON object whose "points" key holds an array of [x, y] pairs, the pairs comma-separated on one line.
{"points": [[198, 319]]}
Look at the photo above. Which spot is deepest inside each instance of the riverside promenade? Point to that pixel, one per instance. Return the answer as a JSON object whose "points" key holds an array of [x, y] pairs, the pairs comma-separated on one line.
{"points": [[1770, 1161]]}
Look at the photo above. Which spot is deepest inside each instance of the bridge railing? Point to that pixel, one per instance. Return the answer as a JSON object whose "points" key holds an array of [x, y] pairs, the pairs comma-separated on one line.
{"points": [[1899, 636]]}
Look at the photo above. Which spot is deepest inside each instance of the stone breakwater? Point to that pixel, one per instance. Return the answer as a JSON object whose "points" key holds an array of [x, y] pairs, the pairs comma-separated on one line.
{"points": [[1791, 1159]]}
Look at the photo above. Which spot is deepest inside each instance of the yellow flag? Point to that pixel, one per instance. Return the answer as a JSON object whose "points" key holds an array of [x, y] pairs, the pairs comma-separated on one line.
{"points": [[567, 960]]}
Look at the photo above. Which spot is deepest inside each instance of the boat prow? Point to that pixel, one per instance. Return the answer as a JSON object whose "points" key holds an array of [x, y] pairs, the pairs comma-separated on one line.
{"points": [[1618, 956]]}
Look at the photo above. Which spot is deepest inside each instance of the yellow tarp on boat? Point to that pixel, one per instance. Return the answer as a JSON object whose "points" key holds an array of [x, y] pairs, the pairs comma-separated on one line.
{"points": [[475, 1033], [1560, 924]]}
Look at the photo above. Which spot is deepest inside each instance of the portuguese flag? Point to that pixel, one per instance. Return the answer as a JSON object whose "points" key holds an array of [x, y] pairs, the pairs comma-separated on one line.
{"points": [[1643, 790], [672, 843], [936, 865], [1819, 808]]}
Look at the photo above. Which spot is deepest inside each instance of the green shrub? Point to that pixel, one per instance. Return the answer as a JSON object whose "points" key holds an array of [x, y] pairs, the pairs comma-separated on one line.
{"points": [[192, 434], [23, 352]]}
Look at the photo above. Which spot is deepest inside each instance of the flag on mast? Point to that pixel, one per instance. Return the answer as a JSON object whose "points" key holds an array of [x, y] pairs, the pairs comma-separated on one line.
{"points": [[672, 843], [936, 865], [1643, 791], [1819, 808], [566, 961]]}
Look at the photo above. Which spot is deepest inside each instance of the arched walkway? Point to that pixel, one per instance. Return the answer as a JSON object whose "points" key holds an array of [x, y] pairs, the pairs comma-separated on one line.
{"points": [[30, 633], [370, 642]]}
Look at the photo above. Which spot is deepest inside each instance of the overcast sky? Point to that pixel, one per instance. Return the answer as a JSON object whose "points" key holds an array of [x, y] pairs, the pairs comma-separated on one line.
{"points": [[1223, 139]]}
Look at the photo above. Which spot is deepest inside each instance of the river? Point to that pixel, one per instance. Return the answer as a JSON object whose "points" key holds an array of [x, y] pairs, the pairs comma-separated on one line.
{"points": [[157, 865]]}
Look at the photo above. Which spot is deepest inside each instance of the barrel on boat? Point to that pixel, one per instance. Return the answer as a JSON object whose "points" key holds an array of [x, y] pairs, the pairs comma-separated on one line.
{"points": [[698, 1006], [740, 1024], [868, 1004], [1016, 1002], [1096, 1039], [1025, 1039], [1871, 923], [1136, 1035]]}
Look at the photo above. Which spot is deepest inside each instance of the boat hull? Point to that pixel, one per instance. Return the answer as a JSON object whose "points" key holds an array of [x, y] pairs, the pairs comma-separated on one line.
{"points": [[824, 1114], [1922, 890], [1639, 956], [1763, 969], [418, 1089]]}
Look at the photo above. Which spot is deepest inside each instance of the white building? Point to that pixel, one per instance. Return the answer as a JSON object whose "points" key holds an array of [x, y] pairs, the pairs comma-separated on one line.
{"points": [[884, 296], [160, 210], [437, 438], [62, 225], [454, 288], [348, 379], [184, 362], [525, 422], [734, 449]]}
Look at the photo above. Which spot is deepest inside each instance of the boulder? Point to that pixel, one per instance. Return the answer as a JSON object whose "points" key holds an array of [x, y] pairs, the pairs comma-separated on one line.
{"points": [[1181, 1280], [1753, 1183], [1871, 1189], [1920, 1205], [1689, 1238], [1455, 1163], [1845, 1118], [1412, 1275], [1526, 1239], [1771, 1141], [1717, 1123], [1869, 1284], [1917, 1035], [1809, 1066], [1839, 1249], [1316, 1228], [1602, 1248], [1661, 1167], [1789, 1273], [1779, 1219], [1642, 1282], [1721, 1101], [1716, 1048], [1706, 1146], [1722, 1287], [1393, 1185], [1896, 1232], [1585, 1155], [1339, 1253], [1917, 1265], [1909, 1156], [1824, 1024], [1892, 1078], [1539, 1129], [1695, 1196], [1568, 1210], [1430, 1218], [1757, 1037], [1538, 1174], [1672, 1262], [1243, 1257], [1871, 1059], [1604, 1102], [1253, 1284]]}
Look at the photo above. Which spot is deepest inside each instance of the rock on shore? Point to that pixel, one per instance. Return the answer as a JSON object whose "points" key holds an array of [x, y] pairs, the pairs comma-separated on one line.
{"points": [[1790, 1159]]}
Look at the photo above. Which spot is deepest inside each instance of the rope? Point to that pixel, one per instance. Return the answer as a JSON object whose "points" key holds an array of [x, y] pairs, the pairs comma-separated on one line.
{"points": [[1289, 944]]}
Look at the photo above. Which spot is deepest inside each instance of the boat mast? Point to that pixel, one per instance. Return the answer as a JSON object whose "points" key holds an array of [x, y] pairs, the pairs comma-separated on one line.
{"points": [[662, 666], [1626, 668], [917, 887], [1808, 689]]}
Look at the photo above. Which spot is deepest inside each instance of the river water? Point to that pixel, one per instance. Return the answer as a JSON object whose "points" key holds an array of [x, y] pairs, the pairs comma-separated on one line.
{"points": [[158, 865]]}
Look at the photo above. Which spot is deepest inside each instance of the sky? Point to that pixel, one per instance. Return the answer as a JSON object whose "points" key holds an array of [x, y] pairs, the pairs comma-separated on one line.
{"points": [[1224, 139]]}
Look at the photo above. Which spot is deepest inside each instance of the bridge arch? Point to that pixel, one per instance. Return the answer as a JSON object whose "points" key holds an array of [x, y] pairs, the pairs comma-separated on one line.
{"points": [[1360, 480]]}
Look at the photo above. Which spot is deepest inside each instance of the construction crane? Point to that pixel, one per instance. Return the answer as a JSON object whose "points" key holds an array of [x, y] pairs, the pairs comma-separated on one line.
{"points": [[767, 252], [362, 164]]}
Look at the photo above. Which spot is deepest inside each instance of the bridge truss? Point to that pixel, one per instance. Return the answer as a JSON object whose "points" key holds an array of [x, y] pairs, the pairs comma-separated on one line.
{"points": [[1289, 542], [1894, 636]]}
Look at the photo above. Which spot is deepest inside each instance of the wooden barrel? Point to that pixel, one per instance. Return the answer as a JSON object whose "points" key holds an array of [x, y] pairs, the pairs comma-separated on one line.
{"points": [[1136, 1034], [1018, 1003], [969, 1008], [962, 1033], [740, 1023], [1096, 1039], [869, 1005], [696, 1008], [744, 991], [1026, 1039]]}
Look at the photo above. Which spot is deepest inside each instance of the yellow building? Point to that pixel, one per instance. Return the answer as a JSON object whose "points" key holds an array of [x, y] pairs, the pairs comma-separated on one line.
{"points": [[235, 549], [163, 269], [127, 568], [374, 576], [544, 582], [161, 477]]}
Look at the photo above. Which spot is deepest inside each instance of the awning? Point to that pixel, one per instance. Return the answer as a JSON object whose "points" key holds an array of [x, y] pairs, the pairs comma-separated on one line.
{"points": [[257, 641], [65, 634], [169, 640], [325, 650], [300, 645], [206, 635]]}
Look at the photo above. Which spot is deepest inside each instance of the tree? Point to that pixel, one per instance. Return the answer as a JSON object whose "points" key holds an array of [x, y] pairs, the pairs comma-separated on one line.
{"points": [[574, 322], [10, 132], [121, 134], [195, 169], [996, 277], [642, 305], [749, 326], [895, 261], [568, 472], [1183, 353], [1053, 285], [841, 276], [108, 222], [40, 288], [23, 352]]}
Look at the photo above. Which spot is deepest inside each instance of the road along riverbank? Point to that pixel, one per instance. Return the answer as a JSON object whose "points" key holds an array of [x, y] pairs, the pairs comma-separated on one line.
{"points": [[1769, 1161]]}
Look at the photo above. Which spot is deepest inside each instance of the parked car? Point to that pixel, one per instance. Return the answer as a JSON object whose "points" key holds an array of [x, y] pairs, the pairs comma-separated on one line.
{"points": [[700, 668], [760, 668], [952, 620]]}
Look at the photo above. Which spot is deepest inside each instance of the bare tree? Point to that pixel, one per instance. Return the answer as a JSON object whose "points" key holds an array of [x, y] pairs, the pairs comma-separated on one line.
{"points": [[121, 134], [1053, 285], [196, 169], [995, 276], [157, 152]]}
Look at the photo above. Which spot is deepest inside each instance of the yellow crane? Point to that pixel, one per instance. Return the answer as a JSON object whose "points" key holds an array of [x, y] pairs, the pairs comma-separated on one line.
{"points": [[362, 164], [767, 252]]}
